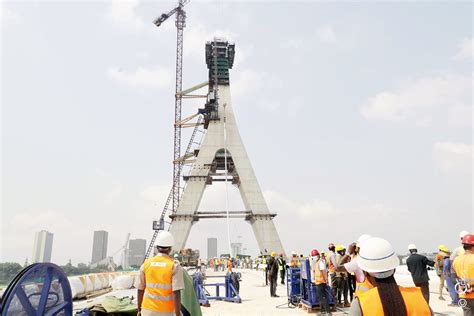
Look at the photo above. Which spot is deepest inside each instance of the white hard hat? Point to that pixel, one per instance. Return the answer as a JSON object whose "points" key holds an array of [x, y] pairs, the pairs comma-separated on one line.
{"points": [[165, 239], [463, 233], [362, 238], [412, 247], [377, 255]]}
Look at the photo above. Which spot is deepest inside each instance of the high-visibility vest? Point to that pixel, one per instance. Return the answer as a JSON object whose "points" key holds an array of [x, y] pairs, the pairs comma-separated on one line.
{"points": [[331, 267], [318, 274], [158, 294], [415, 303], [280, 264], [362, 287], [464, 267]]}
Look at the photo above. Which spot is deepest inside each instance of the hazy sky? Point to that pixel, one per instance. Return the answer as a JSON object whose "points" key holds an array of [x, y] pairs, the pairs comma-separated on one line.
{"points": [[357, 118]]}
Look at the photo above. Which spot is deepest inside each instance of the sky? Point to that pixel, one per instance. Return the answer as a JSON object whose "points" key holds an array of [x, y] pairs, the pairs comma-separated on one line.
{"points": [[357, 118]]}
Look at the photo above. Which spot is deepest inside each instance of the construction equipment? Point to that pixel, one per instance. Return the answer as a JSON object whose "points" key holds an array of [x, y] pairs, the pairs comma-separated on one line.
{"points": [[173, 197], [189, 257], [160, 225], [39, 289], [180, 24], [231, 287], [293, 286]]}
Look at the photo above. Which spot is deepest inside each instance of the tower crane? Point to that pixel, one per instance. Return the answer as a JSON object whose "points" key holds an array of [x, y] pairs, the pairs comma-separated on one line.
{"points": [[177, 162]]}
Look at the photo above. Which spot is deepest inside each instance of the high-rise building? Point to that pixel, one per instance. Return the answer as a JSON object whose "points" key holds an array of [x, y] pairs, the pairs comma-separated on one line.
{"points": [[99, 247], [42, 247], [211, 248], [236, 248], [136, 252]]}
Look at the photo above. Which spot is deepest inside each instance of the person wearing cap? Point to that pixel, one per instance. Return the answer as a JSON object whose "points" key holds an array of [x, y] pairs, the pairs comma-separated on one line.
{"points": [[313, 257], [272, 268], [450, 279], [281, 267], [443, 251], [341, 279], [320, 274], [379, 261], [464, 267], [160, 281], [331, 261], [417, 265]]}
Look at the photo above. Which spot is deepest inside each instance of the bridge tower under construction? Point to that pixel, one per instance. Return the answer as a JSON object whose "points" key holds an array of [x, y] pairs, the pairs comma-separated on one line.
{"points": [[221, 156]]}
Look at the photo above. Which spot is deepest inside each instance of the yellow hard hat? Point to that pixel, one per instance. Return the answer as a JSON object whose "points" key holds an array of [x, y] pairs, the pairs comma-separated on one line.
{"points": [[443, 248], [273, 254], [340, 247]]}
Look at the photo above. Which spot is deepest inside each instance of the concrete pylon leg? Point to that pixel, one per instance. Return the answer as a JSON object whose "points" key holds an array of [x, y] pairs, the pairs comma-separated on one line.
{"points": [[266, 235], [188, 206]]}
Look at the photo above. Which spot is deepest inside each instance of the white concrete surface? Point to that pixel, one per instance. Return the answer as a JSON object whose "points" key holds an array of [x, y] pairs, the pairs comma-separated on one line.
{"points": [[256, 298]]}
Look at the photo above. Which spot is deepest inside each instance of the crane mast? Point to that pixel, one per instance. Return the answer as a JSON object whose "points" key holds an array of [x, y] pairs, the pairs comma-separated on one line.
{"points": [[180, 24], [177, 162]]}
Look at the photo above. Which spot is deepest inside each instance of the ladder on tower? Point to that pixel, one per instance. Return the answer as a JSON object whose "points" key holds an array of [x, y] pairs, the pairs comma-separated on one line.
{"points": [[167, 208]]}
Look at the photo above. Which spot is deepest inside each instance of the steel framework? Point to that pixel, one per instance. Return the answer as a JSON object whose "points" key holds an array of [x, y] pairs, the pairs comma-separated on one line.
{"points": [[180, 24]]}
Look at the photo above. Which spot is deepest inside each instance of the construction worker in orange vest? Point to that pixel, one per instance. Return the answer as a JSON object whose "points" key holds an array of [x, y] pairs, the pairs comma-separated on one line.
{"points": [[378, 259], [463, 265], [160, 281], [321, 280]]}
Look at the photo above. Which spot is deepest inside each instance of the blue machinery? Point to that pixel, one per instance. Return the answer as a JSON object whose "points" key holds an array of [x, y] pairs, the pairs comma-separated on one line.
{"points": [[39, 289], [230, 285], [300, 288], [293, 286]]}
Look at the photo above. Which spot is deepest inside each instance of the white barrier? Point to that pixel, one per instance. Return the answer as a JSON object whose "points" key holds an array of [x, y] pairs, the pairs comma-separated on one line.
{"points": [[87, 284]]}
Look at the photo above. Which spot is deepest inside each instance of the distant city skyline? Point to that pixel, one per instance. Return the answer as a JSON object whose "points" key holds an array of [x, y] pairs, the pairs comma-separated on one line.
{"points": [[42, 247]]}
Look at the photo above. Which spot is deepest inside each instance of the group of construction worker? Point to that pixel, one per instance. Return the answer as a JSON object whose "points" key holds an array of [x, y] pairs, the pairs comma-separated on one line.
{"points": [[455, 270], [219, 264], [371, 260], [362, 277]]}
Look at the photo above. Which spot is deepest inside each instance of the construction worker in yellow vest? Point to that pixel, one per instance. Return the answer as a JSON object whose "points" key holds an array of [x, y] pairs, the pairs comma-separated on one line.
{"points": [[160, 281], [463, 265], [378, 259], [321, 280]]}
